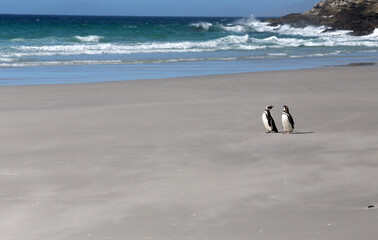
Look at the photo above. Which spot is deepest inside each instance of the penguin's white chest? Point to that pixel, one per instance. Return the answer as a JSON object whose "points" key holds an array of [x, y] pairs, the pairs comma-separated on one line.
{"points": [[286, 125], [265, 121]]}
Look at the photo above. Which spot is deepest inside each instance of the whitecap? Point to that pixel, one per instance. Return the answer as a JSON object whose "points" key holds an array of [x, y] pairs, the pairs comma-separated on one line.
{"points": [[277, 54], [225, 43], [374, 34], [90, 38], [201, 25], [92, 45], [250, 24], [5, 59]]}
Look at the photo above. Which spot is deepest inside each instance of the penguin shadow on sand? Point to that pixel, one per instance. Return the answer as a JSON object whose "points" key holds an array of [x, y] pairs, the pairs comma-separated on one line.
{"points": [[298, 132], [287, 122]]}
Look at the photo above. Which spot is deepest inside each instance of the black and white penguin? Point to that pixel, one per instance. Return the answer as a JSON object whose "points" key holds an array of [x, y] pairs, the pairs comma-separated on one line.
{"points": [[287, 120], [268, 120]]}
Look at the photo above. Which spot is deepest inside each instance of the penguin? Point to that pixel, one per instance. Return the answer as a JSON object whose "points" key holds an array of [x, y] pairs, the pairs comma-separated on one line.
{"points": [[287, 120], [268, 120]]}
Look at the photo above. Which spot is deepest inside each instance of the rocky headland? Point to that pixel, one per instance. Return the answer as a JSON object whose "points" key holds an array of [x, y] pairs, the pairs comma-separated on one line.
{"points": [[358, 16]]}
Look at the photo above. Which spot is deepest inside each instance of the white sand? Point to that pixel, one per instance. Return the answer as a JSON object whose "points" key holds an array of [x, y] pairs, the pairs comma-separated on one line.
{"points": [[189, 158]]}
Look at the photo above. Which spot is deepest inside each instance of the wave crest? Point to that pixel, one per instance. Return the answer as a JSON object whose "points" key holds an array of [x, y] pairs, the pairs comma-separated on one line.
{"points": [[202, 26], [231, 42], [206, 27], [225, 43], [90, 38]]}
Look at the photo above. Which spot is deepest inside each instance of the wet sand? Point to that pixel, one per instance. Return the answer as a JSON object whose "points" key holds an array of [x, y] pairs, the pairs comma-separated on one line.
{"points": [[189, 158]]}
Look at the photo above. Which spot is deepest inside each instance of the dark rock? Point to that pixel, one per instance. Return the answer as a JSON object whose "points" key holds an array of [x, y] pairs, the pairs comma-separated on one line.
{"points": [[371, 206], [359, 16]]}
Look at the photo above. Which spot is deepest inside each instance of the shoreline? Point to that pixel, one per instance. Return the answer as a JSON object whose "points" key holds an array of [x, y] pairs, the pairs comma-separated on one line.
{"points": [[188, 158], [363, 64]]}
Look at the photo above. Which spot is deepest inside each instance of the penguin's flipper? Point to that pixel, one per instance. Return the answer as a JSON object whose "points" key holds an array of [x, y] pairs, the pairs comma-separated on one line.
{"points": [[270, 120], [291, 120], [272, 124]]}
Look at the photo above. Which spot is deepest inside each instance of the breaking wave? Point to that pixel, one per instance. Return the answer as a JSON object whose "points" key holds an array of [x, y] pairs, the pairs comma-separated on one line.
{"points": [[232, 42], [225, 43], [202, 40], [204, 26], [251, 24], [90, 38]]}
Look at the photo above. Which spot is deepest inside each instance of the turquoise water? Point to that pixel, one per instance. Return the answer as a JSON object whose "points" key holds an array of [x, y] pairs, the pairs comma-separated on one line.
{"points": [[76, 49]]}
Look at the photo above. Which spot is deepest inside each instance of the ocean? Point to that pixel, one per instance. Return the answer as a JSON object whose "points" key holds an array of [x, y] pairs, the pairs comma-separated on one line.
{"points": [[80, 49]]}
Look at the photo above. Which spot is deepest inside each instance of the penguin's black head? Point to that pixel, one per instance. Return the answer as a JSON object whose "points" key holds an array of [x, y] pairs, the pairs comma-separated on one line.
{"points": [[269, 107], [285, 109]]}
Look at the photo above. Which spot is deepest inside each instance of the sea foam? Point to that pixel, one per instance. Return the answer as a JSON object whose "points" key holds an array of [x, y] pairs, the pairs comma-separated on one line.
{"points": [[90, 38], [225, 43], [231, 42], [162, 42]]}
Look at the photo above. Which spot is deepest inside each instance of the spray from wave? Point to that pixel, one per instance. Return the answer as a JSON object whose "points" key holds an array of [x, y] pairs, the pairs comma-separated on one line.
{"points": [[246, 38], [251, 24]]}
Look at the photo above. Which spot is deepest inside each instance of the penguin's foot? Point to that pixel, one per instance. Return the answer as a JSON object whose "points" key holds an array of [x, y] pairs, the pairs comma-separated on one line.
{"points": [[291, 132], [284, 132]]}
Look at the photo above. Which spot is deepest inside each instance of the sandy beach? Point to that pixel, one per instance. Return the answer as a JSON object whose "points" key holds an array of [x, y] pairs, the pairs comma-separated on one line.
{"points": [[188, 158]]}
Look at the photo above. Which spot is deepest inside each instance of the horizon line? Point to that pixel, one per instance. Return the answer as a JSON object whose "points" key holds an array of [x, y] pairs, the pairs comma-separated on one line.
{"points": [[109, 15]]}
